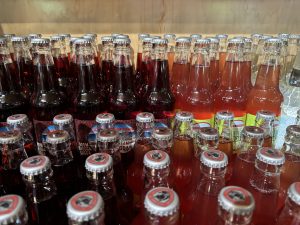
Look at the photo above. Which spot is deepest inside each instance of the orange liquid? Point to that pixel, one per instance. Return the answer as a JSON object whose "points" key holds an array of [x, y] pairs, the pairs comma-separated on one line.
{"points": [[170, 62], [289, 219], [265, 95], [246, 73], [222, 56], [214, 75], [226, 146], [267, 141]]}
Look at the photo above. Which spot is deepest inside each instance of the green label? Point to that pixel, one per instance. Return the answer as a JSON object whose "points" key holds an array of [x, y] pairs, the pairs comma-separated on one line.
{"points": [[239, 123], [250, 119]]}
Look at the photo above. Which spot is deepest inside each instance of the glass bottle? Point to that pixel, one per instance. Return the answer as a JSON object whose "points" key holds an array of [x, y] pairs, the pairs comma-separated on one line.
{"points": [[13, 99], [214, 72], [13, 210], [252, 141], [67, 38], [205, 193], [293, 41], [12, 154], [290, 213], [194, 38], [161, 207], [21, 122], [247, 65], [130, 48], [159, 99], [170, 50], [180, 70], [266, 120], [46, 100], [140, 52], [265, 184], [222, 50], [198, 96], [236, 206], [107, 64], [8, 38], [23, 63], [122, 100], [162, 139], [43, 203], [86, 208]]}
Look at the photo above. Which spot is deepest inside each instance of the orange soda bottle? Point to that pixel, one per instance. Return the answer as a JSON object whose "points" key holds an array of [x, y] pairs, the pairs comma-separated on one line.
{"points": [[171, 50], [222, 50], [214, 73]]}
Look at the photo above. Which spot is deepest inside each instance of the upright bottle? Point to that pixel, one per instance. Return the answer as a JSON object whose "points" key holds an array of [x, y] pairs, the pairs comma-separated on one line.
{"points": [[222, 50], [265, 95], [205, 193], [86, 208], [194, 38], [93, 38], [107, 64], [13, 210], [161, 207], [21, 122], [290, 213], [12, 154], [88, 100], [131, 50], [99, 173], [259, 54], [183, 152], [180, 70], [144, 130], [290, 171], [8, 38], [23, 63], [46, 100], [159, 99], [266, 120], [13, 99], [162, 139], [198, 96], [214, 70], [67, 38], [265, 184], [122, 100], [170, 50], [293, 41], [247, 66], [236, 206], [252, 141], [230, 95], [140, 52], [43, 204]]}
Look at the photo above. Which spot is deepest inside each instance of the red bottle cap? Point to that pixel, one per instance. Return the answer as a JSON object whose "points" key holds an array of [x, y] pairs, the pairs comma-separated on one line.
{"points": [[11, 208], [63, 119], [10, 137], [35, 165], [270, 156], [214, 159], [156, 159]]}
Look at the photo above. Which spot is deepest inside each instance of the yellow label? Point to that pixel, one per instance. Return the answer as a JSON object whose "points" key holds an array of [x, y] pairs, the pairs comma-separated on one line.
{"points": [[239, 123], [250, 120]]}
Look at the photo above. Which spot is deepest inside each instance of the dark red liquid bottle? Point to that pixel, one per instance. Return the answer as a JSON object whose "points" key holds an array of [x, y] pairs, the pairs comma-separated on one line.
{"points": [[140, 52], [107, 62], [214, 71]]}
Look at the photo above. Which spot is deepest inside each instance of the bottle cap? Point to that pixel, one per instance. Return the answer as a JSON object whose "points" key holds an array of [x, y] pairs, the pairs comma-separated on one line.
{"points": [[142, 36], [236, 200], [107, 38], [3, 41], [108, 135], [155, 37], [283, 35], [40, 41], [114, 35], [65, 35], [89, 38], [62, 119], [147, 40], [73, 39], [145, 117], [94, 35], [163, 134], [17, 119], [20, 39], [256, 35], [253, 132], [195, 36], [183, 40], [213, 40], [156, 159], [265, 37], [294, 36], [57, 136], [33, 36], [83, 41], [57, 38], [184, 116], [222, 36], [208, 133], [225, 115], [124, 36], [121, 41], [169, 36], [293, 130], [247, 40], [35, 165], [11, 208], [159, 41], [265, 115], [105, 118], [9, 36], [85, 206], [236, 41], [10, 137], [202, 41], [270, 156], [161, 201], [273, 40], [294, 192], [99, 162], [214, 159]]}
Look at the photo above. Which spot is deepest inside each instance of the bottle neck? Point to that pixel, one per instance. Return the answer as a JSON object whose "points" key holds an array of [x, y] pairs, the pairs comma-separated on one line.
{"points": [[250, 145], [146, 53], [99, 220], [60, 154], [102, 183], [267, 126], [155, 178], [225, 129], [12, 155], [107, 51], [182, 54], [122, 56], [230, 218], [183, 129], [151, 219], [206, 145], [213, 52], [111, 148], [5, 56], [144, 130], [22, 51], [290, 210], [164, 145]]}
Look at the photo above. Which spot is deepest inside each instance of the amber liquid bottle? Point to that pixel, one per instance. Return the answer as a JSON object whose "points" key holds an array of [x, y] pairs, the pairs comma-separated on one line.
{"points": [[222, 50], [214, 71]]}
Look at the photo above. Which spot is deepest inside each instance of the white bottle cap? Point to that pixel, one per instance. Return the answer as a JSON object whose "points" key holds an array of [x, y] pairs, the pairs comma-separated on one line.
{"points": [[208, 133], [270, 156], [63, 119], [10, 137], [105, 118], [57, 136], [162, 134], [35, 165], [224, 115], [265, 115], [108, 135], [214, 159], [253, 132], [99, 162], [11, 208], [17, 119], [184, 116], [294, 192], [145, 117], [156, 159]]}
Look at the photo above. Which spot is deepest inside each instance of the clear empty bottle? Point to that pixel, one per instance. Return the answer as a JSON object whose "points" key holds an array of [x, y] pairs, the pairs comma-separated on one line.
{"points": [[266, 120], [13, 210], [236, 206], [86, 208], [162, 139], [214, 64], [21, 122]]}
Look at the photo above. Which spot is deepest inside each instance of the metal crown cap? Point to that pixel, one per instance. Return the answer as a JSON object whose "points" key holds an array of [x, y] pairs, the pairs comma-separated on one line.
{"points": [[256, 35], [214, 159], [105, 118], [283, 35], [236, 41], [147, 40], [17, 119], [253, 131], [62, 119], [99, 163], [183, 40], [124, 41], [57, 38], [114, 35], [208, 133], [163, 134], [294, 36], [35, 165], [169, 36], [10, 137], [11, 207], [3, 41], [236, 200], [33, 36], [195, 36], [221, 36], [65, 35], [159, 41], [265, 37], [273, 40], [184, 116], [40, 41], [124, 36], [155, 37], [90, 38], [294, 192], [294, 130], [94, 35], [213, 40], [108, 135], [57, 136], [224, 115], [107, 38], [145, 117], [19, 39], [85, 206], [9, 36], [82, 41], [161, 201], [265, 114], [202, 41], [156, 159], [142, 36], [247, 40], [270, 156]]}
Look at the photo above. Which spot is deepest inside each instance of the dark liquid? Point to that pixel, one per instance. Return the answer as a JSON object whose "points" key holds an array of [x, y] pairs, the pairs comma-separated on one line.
{"points": [[142, 81], [226, 146], [107, 73], [214, 75], [122, 99], [295, 78], [25, 70], [268, 141], [63, 74], [30, 148], [139, 62], [12, 183], [13, 100], [159, 99]]}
